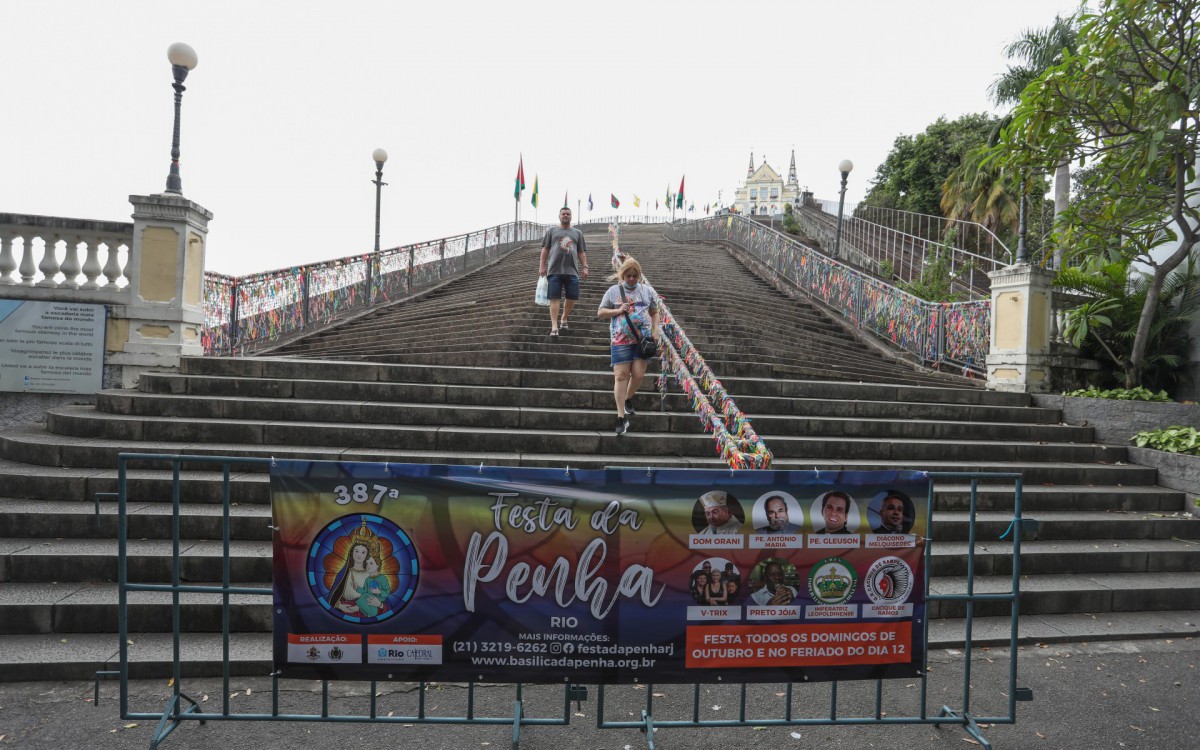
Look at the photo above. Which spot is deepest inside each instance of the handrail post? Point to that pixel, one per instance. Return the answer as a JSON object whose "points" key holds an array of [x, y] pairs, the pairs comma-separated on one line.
{"points": [[412, 254], [305, 313], [233, 320]]}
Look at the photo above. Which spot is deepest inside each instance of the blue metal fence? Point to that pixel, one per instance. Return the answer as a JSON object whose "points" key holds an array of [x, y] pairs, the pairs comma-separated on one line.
{"points": [[182, 706]]}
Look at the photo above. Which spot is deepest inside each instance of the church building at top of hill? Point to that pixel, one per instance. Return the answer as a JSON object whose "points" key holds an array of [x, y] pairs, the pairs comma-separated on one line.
{"points": [[764, 193]]}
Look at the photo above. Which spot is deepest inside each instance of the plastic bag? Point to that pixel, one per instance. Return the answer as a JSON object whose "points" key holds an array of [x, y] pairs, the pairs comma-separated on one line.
{"points": [[542, 296]]}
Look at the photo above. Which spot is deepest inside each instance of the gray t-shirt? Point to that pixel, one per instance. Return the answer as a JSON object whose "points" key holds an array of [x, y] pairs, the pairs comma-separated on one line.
{"points": [[565, 246], [645, 301]]}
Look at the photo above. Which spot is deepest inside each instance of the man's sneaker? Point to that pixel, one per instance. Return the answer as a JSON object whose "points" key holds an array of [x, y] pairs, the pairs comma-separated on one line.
{"points": [[622, 425], [629, 408]]}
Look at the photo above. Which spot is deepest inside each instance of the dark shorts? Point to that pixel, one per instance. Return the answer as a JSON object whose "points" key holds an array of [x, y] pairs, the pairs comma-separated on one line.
{"points": [[563, 282], [622, 353]]}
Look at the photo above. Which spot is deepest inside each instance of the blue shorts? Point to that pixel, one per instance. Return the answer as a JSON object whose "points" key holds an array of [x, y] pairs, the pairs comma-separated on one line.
{"points": [[622, 353], [563, 282]]}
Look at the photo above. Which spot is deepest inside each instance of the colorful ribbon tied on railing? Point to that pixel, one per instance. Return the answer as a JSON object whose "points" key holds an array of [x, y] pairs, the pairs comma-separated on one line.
{"points": [[735, 438]]}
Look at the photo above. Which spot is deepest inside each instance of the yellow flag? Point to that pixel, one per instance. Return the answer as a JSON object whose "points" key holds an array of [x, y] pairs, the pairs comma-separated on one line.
{"points": [[636, 200]]}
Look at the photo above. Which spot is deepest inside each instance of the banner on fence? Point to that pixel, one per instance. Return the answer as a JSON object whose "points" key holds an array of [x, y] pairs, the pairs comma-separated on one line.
{"points": [[413, 571]]}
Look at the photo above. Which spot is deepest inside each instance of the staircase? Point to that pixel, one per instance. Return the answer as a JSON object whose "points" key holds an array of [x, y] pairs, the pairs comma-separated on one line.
{"points": [[467, 374]]}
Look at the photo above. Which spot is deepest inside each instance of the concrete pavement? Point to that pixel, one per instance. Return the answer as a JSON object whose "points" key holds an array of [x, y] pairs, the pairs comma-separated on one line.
{"points": [[1121, 694]]}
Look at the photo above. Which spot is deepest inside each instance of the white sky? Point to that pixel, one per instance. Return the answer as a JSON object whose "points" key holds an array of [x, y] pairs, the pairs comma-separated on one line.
{"points": [[290, 99]]}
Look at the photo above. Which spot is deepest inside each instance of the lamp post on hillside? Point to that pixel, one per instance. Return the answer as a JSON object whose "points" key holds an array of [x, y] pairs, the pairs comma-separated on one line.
{"points": [[380, 156], [845, 168], [183, 58]]}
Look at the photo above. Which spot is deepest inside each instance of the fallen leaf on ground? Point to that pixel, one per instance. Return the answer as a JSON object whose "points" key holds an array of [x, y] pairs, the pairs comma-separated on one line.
{"points": [[1039, 734], [204, 699], [171, 682], [131, 725], [1134, 726]]}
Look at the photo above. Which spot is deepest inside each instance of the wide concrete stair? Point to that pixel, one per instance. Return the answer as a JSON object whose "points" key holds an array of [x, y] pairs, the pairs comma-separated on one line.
{"points": [[467, 374]]}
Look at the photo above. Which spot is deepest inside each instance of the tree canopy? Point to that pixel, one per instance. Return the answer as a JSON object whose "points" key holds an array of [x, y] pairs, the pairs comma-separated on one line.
{"points": [[912, 175], [1126, 101]]}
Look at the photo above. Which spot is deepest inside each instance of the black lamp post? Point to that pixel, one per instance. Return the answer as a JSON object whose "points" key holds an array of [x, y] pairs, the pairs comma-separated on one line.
{"points": [[1022, 228], [380, 156], [845, 168], [183, 58]]}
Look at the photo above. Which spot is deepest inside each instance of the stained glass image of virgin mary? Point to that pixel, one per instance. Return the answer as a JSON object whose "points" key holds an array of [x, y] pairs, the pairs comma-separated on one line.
{"points": [[362, 568]]}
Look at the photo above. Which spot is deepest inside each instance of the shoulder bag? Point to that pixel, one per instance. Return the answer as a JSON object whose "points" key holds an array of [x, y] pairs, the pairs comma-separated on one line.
{"points": [[647, 347]]}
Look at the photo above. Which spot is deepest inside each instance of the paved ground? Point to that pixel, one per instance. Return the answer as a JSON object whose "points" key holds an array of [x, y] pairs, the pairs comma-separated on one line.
{"points": [[1141, 694]]}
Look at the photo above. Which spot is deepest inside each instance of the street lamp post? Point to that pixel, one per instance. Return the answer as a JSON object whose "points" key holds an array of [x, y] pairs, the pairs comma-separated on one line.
{"points": [[380, 156], [183, 58], [1022, 228], [845, 167]]}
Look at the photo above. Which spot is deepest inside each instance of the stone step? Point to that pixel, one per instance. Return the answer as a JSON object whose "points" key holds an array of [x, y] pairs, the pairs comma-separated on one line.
{"points": [[57, 519], [150, 560], [599, 377], [159, 392], [33, 444], [253, 422], [1098, 594], [34, 657], [72, 608]]}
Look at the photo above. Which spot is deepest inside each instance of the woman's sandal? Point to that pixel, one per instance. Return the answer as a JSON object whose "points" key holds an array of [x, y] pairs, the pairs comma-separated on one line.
{"points": [[553, 331]]}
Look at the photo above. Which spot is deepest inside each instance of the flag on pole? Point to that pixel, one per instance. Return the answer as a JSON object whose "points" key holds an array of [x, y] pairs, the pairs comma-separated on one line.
{"points": [[535, 191], [679, 198], [615, 203], [589, 201], [520, 179], [636, 200], [565, 200], [668, 196], [656, 204]]}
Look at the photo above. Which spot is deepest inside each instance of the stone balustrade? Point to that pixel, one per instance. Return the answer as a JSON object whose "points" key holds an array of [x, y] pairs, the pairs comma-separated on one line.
{"points": [[87, 259]]}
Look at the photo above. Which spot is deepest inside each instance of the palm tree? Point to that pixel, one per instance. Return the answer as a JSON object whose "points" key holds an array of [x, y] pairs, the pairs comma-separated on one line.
{"points": [[979, 192], [1038, 50]]}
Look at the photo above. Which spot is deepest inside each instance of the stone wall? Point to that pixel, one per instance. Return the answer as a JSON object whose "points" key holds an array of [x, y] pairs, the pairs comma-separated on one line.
{"points": [[1116, 422]]}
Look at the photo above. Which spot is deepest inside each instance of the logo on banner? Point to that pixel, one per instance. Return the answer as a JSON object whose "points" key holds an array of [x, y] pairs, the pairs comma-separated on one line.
{"points": [[832, 581], [889, 581], [362, 568]]}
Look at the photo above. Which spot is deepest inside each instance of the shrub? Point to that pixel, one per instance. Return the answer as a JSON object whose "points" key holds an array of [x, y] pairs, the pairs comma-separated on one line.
{"points": [[1121, 394], [1172, 440]]}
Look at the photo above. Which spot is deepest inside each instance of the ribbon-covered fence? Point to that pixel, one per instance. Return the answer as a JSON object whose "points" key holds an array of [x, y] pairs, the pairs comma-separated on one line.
{"points": [[249, 312], [939, 333], [735, 438]]}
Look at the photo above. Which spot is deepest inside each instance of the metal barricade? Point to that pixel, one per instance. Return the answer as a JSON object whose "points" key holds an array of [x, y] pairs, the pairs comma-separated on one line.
{"points": [[183, 706]]}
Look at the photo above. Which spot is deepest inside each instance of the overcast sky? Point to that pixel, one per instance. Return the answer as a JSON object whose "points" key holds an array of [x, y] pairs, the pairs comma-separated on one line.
{"points": [[290, 99]]}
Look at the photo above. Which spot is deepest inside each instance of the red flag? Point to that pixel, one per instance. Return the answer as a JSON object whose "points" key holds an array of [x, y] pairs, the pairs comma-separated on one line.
{"points": [[520, 179], [615, 203], [679, 198]]}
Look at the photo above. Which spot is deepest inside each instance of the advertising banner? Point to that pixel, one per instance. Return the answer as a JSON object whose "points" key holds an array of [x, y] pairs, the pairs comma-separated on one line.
{"points": [[414, 571], [51, 347]]}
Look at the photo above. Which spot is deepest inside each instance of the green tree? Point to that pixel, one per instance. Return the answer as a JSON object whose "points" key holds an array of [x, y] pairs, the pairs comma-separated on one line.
{"points": [[1105, 326], [1126, 100], [913, 173], [1037, 50]]}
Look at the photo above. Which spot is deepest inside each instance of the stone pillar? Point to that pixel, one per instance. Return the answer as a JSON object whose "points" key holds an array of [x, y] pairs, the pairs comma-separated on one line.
{"points": [[165, 315], [1019, 359]]}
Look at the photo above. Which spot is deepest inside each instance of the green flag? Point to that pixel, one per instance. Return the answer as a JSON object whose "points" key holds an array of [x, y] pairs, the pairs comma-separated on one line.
{"points": [[520, 179]]}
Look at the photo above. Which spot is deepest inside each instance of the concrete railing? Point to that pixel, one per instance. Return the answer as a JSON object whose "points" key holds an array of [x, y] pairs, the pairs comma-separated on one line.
{"points": [[89, 259]]}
